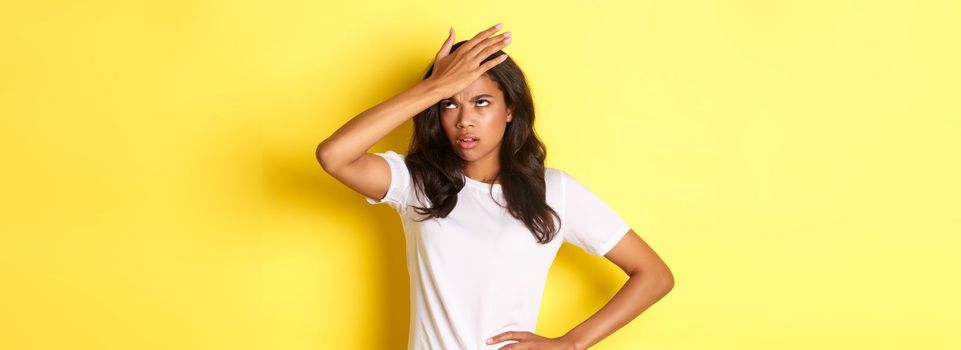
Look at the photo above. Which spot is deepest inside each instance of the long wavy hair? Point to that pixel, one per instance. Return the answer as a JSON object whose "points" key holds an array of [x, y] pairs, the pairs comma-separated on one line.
{"points": [[438, 172]]}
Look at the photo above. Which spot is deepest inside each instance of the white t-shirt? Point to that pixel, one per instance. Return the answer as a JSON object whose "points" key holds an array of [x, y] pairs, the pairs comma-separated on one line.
{"points": [[479, 271]]}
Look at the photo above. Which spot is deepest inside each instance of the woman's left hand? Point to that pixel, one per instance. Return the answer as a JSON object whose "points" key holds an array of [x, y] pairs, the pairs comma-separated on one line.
{"points": [[531, 341]]}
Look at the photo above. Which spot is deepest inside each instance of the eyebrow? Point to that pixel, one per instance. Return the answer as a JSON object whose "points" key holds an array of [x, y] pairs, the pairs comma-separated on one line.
{"points": [[473, 99]]}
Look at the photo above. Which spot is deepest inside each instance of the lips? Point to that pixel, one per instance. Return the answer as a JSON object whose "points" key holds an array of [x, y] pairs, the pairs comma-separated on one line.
{"points": [[467, 137], [467, 141]]}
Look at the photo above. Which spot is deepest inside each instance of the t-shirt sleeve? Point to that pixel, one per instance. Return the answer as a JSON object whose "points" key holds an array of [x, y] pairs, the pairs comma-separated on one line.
{"points": [[399, 193], [589, 223]]}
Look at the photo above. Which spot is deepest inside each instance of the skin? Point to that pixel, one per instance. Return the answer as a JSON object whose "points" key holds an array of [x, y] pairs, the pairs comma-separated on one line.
{"points": [[460, 75], [345, 153], [480, 110]]}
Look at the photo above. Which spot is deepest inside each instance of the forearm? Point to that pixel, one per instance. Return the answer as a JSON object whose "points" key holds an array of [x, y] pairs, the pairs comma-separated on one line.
{"points": [[360, 133], [636, 295]]}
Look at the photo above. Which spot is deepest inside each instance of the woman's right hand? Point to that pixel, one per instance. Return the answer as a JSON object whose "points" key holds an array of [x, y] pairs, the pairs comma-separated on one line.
{"points": [[455, 71]]}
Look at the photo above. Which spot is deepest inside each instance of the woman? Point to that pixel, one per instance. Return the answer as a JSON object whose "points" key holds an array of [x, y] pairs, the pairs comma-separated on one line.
{"points": [[479, 209]]}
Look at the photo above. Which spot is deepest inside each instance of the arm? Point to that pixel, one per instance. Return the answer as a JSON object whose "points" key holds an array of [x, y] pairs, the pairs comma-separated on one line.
{"points": [[344, 154], [650, 279], [450, 73], [353, 139]]}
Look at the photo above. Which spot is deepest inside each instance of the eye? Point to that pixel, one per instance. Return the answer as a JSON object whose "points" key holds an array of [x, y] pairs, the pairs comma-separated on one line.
{"points": [[444, 103]]}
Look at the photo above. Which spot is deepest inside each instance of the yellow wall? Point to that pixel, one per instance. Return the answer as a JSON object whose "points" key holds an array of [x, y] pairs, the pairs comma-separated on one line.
{"points": [[794, 162]]}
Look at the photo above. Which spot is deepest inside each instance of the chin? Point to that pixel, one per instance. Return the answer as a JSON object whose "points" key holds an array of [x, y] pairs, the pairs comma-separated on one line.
{"points": [[465, 156], [470, 154]]}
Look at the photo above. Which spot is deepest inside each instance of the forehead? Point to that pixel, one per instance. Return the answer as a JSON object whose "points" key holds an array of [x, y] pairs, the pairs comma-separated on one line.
{"points": [[481, 85]]}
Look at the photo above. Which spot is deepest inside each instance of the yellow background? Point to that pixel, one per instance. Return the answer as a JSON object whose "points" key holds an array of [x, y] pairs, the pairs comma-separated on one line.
{"points": [[794, 162]]}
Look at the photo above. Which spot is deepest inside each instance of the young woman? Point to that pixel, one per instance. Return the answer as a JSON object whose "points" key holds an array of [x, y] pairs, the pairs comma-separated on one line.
{"points": [[481, 213]]}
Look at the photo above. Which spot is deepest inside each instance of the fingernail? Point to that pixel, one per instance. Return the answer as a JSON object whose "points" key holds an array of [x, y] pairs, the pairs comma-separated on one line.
{"points": [[488, 340], [499, 25]]}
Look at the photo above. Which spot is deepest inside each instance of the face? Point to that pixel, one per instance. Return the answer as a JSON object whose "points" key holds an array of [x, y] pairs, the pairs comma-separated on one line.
{"points": [[478, 110]]}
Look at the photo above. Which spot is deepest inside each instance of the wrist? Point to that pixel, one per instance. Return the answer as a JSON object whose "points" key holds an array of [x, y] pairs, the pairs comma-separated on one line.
{"points": [[574, 343], [434, 87]]}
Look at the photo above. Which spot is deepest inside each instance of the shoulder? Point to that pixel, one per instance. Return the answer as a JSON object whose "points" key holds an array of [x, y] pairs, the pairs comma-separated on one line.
{"points": [[552, 173], [555, 177], [397, 161], [392, 154], [563, 181]]}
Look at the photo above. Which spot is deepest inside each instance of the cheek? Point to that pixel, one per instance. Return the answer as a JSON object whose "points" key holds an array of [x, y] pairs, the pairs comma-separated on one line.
{"points": [[494, 130], [447, 124]]}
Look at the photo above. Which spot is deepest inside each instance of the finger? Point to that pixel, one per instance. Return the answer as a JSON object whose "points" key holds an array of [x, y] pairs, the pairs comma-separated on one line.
{"points": [[445, 49], [493, 62], [492, 45], [477, 38], [509, 335]]}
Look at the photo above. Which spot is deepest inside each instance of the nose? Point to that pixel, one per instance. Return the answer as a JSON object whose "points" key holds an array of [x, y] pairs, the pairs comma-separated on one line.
{"points": [[465, 120], [462, 124]]}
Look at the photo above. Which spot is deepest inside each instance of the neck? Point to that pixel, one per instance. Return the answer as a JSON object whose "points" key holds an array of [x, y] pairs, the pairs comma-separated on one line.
{"points": [[483, 170]]}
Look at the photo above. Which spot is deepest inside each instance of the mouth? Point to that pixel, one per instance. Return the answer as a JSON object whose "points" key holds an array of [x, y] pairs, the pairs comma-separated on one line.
{"points": [[467, 142]]}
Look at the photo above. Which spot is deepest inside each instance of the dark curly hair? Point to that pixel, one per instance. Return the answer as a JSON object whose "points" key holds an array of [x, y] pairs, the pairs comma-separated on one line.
{"points": [[437, 171]]}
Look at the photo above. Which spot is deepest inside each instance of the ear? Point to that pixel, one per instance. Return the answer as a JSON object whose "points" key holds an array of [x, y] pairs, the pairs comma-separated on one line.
{"points": [[509, 117]]}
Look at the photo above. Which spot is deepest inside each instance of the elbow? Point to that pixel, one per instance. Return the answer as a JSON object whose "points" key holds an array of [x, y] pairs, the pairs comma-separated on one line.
{"points": [[660, 279], [323, 157], [667, 281], [331, 160]]}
